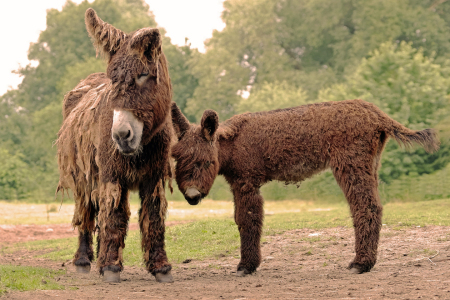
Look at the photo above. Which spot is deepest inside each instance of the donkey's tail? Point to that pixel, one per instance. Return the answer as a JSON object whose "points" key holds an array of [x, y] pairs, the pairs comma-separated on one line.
{"points": [[427, 138]]}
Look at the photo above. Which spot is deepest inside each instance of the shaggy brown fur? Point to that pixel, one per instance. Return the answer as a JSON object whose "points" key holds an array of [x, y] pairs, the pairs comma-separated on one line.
{"points": [[291, 145], [89, 162]]}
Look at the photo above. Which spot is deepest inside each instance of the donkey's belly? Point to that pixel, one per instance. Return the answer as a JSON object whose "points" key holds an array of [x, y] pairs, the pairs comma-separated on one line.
{"points": [[297, 172]]}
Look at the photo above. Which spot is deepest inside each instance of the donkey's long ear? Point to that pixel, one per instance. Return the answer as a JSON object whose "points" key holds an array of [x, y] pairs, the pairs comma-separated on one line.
{"points": [[209, 124], [179, 121], [106, 38], [146, 43]]}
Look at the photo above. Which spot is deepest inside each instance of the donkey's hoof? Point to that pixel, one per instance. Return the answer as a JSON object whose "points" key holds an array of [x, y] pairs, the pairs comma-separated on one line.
{"points": [[242, 272], [110, 276], [83, 269], [355, 270], [164, 278]]}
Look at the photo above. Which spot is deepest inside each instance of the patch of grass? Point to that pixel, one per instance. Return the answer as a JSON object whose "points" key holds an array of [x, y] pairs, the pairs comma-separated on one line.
{"points": [[57, 249], [444, 238], [435, 212], [197, 240], [429, 252], [28, 278], [338, 215], [312, 239]]}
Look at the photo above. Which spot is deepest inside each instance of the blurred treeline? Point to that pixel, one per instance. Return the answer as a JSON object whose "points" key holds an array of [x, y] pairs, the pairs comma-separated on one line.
{"points": [[271, 54]]}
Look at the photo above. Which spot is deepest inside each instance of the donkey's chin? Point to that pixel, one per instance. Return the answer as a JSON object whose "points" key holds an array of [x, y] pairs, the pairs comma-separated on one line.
{"points": [[193, 201], [128, 150]]}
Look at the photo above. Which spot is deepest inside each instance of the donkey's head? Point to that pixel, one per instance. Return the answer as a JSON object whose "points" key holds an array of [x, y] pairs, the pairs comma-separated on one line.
{"points": [[140, 91], [196, 153]]}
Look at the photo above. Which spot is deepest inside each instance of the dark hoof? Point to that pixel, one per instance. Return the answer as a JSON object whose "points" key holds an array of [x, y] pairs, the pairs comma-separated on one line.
{"points": [[356, 268], [242, 272], [83, 269], [164, 278], [110, 276]]}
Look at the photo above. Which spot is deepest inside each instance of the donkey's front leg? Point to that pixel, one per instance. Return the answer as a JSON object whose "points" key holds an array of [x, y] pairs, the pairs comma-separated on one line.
{"points": [[151, 221], [249, 215], [113, 224]]}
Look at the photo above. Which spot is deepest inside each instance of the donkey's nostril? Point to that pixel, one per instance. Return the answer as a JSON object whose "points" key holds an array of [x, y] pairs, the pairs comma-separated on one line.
{"points": [[122, 135]]}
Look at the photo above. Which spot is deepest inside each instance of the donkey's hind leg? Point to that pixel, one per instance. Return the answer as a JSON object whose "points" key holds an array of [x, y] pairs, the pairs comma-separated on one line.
{"points": [[360, 186], [84, 221], [85, 252]]}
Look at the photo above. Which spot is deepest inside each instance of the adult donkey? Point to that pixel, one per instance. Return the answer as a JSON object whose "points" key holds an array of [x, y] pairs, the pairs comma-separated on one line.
{"points": [[116, 137], [291, 145]]}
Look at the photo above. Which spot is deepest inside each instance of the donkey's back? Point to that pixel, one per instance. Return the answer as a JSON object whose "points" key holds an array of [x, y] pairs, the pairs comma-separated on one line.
{"points": [[293, 144], [77, 95]]}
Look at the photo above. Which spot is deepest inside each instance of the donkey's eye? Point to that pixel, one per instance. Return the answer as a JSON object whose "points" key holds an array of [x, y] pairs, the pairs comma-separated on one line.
{"points": [[141, 78], [207, 164]]}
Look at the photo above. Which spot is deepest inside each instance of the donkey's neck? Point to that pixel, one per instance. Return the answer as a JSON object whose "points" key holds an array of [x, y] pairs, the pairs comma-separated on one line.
{"points": [[225, 149], [227, 133]]}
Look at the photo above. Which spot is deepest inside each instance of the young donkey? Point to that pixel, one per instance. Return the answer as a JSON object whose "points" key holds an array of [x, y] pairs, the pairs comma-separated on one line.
{"points": [[291, 145], [116, 137]]}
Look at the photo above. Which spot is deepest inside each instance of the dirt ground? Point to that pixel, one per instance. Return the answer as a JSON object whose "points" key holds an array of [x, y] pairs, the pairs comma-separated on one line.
{"points": [[413, 263]]}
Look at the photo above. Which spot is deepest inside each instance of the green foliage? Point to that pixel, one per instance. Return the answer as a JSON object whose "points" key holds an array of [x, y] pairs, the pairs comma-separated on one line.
{"points": [[31, 116], [24, 278], [278, 53], [306, 44], [271, 96], [401, 81], [417, 188], [13, 176], [244, 53], [412, 89]]}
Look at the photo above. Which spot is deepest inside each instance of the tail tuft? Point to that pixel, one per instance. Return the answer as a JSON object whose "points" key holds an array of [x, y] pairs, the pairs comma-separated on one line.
{"points": [[427, 138]]}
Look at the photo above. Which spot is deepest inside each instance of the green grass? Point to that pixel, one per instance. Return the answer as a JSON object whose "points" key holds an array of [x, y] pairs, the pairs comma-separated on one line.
{"points": [[213, 237], [28, 278], [435, 212]]}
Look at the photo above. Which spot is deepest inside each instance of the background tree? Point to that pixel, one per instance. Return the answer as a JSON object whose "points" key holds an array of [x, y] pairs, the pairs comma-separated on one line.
{"points": [[271, 54], [272, 96], [412, 89]]}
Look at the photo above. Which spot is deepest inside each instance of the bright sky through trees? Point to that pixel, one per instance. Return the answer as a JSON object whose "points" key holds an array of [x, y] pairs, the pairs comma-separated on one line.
{"points": [[23, 20]]}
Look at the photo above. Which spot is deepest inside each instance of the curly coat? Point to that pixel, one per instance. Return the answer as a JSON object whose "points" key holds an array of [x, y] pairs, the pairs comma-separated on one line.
{"points": [[291, 145], [90, 164]]}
